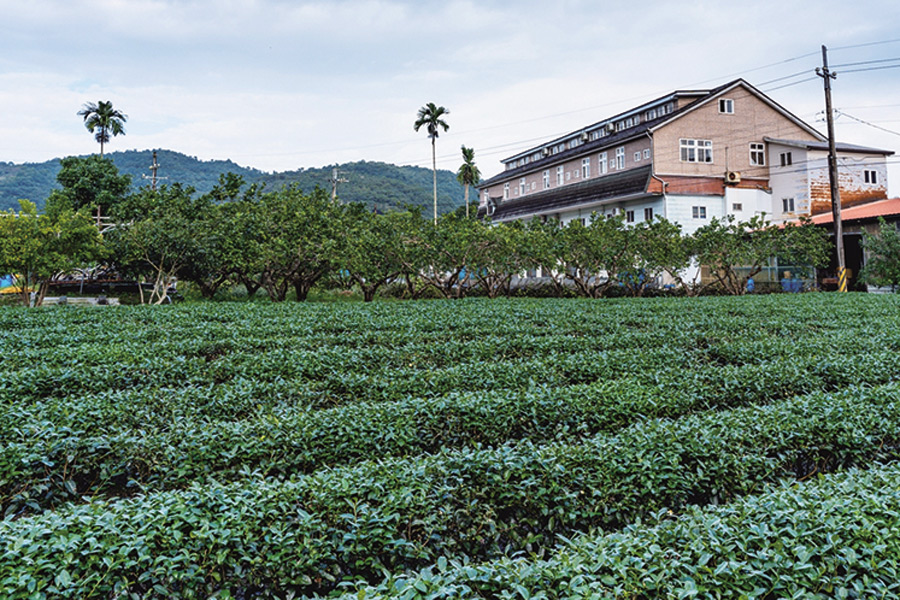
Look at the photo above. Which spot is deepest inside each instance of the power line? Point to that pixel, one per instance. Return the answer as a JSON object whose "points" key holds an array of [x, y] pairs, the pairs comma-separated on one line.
{"points": [[867, 62], [870, 69], [866, 122], [790, 84], [866, 44], [797, 74]]}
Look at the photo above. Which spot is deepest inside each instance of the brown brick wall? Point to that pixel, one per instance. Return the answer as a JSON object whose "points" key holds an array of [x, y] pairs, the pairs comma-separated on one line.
{"points": [[731, 135]]}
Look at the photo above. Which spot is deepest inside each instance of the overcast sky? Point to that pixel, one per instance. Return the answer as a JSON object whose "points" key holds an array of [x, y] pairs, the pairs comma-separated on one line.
{"points": [[279, 84]]}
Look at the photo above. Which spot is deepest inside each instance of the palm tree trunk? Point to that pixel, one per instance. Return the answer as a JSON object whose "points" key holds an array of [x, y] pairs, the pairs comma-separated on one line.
{"points": [[434, 179], [467, 200]]}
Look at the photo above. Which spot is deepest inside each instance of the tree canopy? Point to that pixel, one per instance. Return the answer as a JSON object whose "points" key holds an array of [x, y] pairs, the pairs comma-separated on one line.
{"points": [[103, 121]]}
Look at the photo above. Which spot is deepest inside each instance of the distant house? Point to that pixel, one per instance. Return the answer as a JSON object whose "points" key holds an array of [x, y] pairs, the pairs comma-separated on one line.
{"points": [[856, 220], [688, 156]]}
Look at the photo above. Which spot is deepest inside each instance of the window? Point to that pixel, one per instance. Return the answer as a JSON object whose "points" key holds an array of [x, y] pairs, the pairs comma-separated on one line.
{"points": [[637, 156], [620, 157], [586, 167], [629, 216], [646, 153], [870, 176], [620, 126], [559, 175], [757, 154], [522, 187], [787, 205], [648, 214], [698, 212], [737, 207], [568, 175], [601, 163], [696, 151], [506, 191], [533, 185], [786, 159], [726, 106], [547, 179]]}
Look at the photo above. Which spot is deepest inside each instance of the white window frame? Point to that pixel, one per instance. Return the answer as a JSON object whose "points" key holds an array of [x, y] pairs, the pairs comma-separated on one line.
{"points": [[629, 216], [620, 157], [726, 106], [586, 167], [646, 153], [523, 187], [602, 164], [637, 156], [546, 179], [870, 176], [506, 191], [560, 177], [757, 154], [648, 213], [698, 212], [737, 207], [695, 151], [787, 205]]}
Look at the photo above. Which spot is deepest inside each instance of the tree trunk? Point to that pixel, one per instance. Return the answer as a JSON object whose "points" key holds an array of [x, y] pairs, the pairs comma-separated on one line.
{"points": [[434, 178], [302, 288], [467, 200], [251, 285]]}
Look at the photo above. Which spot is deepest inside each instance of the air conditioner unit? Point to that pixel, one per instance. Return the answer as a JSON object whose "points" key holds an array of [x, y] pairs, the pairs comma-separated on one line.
{"points": [[610, 127], [732, 177], [584, 136], [545, 151]]}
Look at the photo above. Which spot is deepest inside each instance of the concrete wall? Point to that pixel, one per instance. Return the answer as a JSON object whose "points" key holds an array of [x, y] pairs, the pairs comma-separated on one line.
{"points": [[851, 180], [790, 181]]}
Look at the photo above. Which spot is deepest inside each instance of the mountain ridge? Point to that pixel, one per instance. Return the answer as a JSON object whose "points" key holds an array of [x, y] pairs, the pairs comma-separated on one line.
{"points": [[381, 186]]}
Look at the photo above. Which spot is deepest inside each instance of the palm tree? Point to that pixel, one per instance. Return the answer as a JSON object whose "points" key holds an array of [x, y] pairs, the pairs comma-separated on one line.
{"points": [[430, 116], [468, 173], [105, 119]]}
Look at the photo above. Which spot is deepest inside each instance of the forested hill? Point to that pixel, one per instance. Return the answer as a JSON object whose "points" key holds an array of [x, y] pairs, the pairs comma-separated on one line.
{"points": [[379, 185]]}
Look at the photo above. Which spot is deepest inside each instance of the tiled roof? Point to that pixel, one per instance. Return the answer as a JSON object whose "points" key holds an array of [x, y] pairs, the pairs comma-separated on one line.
{"points": [[624, 183], [607, 141], [870, 210], [823, 146]]}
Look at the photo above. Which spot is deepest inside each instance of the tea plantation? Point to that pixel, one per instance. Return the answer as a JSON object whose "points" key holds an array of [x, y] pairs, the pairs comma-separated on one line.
{"points": [[659, 448]]}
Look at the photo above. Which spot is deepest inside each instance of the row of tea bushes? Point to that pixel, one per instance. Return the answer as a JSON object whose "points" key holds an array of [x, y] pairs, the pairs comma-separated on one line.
{"points": [[309, 534], [835, 537], [68, 452]]}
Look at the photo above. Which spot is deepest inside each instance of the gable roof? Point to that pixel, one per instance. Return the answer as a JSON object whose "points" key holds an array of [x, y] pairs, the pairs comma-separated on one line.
{"points": [[823, 146], [644, 128], [620, 185], [724, 89]]}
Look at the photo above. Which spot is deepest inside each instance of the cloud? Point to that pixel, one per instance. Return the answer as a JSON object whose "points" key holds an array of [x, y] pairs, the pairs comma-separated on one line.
{"points": [[279, 84]]}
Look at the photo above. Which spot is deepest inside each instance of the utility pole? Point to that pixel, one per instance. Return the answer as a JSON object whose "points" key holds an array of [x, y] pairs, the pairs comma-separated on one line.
{"points": [[336, 178], [154, 168], [827, 76]]}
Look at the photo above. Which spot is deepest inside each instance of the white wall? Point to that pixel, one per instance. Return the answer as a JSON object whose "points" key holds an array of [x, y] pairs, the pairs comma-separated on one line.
{"points": [[791, 181], [753, 202], [679, 209]]}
